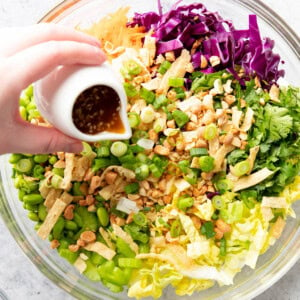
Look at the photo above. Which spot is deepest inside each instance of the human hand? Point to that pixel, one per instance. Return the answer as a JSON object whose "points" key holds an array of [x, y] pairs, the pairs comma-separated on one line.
{"points": [[26, 55]]}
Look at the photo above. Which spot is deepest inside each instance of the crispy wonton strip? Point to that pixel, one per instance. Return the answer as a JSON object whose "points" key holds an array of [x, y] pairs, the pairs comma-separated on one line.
{"points": [[247, 120], [53, 215], [126, 237], [95, 183], [150, 45], [44, 189], [80, 265], [252, 156], [51, 197], [101, 249], [107, 238], [253, 179], [236, 117], [274, 202], [220, 155], [81, 166], [213, 146], [177, 69], [70, 159], [152, 84], [121, 170], [277, 228]]}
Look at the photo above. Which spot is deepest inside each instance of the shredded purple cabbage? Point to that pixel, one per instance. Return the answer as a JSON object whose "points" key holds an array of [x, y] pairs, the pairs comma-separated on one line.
{"points": [[182, 26], [210, 195]]}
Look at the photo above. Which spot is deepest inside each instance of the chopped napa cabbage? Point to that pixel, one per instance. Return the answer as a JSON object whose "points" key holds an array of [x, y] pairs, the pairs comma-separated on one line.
{"points": [[189, 228], [196, 249], [204, 210], [151, 281], [188, 286]]}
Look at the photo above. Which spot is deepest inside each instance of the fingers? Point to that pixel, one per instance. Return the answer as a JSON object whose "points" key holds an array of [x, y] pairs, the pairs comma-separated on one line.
{"points": [[17, 39], [37, 139], [37, 61]]}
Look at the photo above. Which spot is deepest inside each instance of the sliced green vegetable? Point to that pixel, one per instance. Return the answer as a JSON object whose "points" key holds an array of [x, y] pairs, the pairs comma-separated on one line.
{"points": [[210, 131], [198, 152], [180, 117], [164, 67], [241, 168], [140, 219], [176, 81], [206, 163]]}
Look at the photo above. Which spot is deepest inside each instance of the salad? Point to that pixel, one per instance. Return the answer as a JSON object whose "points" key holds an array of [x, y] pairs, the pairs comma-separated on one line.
{"points": [[204, 185]]}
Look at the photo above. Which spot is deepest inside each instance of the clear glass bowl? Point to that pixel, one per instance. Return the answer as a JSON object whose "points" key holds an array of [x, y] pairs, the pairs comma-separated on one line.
{"points": [[249, 283]]}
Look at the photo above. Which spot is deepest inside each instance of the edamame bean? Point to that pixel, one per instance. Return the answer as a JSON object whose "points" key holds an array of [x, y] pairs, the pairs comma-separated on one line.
{"points": [[30, 207], [52, 160], [24, 101], [77, 219], [70, 234], [15, 157], [21, 195], [58, 171], [40, 158], [31, 106], [42, 212], [37, 226], [23, 112], [58, 228], [71, 225], [33, 199], [103, 216], [64, 244], [33, 216]]}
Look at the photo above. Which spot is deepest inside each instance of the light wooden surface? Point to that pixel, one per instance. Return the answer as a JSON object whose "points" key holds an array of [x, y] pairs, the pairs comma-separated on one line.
{"points": [[18, 276]]}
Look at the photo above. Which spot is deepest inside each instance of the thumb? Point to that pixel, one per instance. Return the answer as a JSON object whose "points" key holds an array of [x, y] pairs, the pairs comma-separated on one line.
{"points": [[30, 138]]}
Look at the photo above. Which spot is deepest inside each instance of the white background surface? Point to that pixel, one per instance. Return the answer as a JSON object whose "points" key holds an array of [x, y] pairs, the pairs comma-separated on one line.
{"points": [[18, 276]]}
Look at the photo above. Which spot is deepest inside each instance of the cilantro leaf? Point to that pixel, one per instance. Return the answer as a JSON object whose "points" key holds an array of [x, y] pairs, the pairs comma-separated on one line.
{"points": [[207, 229]]}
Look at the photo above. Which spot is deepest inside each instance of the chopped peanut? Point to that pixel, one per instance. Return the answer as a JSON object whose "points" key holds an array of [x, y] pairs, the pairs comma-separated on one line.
{"points": [[84, 188], [68, 213], [80, 243], [228, 138], [73, 248], [170, 56], [54, 244], [171, 124], [110, 177], [190, 126], [161, 150], [120, 221], [230, 99], [224, 227], [92, 208], [167, 199], [153, 135], [203, 62], [196, 221], [129, 218], [219, 233], [88, 236], [214, 60]]}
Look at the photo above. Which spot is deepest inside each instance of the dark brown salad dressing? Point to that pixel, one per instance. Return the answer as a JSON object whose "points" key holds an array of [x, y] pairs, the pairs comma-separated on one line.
{"points": [[97, 109]]}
